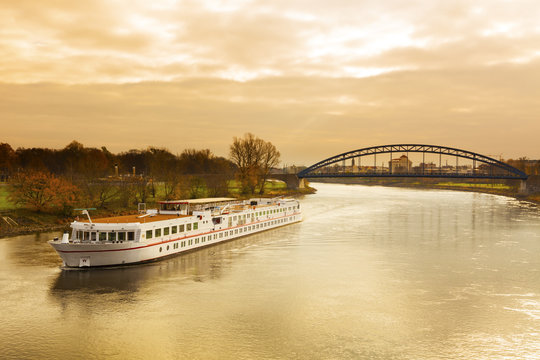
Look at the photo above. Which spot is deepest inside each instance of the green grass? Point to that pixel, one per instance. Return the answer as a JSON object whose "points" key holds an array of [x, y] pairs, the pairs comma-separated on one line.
{"points": [[479, 186], [4, 202], [235, 188]]}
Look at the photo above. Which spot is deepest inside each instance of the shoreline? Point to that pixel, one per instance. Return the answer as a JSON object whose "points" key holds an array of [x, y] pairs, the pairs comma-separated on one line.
{"points": [[52, 223], [532, 198], [29, 222]]}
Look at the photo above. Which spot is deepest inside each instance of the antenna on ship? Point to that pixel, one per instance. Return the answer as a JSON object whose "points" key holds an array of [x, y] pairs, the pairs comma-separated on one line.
{"points": [[85, 212]]}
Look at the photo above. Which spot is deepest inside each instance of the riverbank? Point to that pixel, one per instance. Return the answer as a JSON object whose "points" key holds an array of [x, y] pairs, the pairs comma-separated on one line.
{"points": [[496, 188], [19, 221]]}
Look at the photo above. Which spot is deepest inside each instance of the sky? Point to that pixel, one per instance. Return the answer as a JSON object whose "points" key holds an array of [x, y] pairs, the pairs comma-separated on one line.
{"points": [[315, 78]]}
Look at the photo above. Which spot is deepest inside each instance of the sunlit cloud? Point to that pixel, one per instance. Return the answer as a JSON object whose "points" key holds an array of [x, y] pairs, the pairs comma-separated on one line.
{"points": [[244, 40], [389, 69]]}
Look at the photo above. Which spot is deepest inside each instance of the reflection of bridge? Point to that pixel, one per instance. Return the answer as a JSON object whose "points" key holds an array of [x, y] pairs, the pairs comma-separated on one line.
{"points": [[477, 167]]}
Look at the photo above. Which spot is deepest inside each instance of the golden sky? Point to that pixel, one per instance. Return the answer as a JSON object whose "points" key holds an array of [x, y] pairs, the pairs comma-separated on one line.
{"points": [[314, 77]]}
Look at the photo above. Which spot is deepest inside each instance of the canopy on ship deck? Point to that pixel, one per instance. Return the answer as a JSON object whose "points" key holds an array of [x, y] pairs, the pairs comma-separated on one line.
{"points": [[198, 201]]}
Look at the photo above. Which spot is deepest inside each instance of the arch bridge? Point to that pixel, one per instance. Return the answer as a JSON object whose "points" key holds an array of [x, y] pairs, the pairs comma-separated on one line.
{"points": [[476, 166]]}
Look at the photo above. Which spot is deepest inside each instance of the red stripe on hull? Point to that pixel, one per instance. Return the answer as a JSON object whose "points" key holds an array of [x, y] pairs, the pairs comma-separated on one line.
{"points": [[177, 239]]}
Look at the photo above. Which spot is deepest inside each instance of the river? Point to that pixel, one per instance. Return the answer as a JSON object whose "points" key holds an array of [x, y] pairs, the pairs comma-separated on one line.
{"points": [[371, 273]]}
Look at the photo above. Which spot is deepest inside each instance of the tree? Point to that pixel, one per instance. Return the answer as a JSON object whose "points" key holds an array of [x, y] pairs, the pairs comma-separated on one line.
{"points": [[44, 191], [269, 159], [99, 192], [8, 160], [254, 158]]}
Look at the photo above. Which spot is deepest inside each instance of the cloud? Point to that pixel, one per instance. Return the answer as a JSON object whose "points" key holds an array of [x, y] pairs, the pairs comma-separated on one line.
{"points": [[303, 116], [129, 41], [314, 77]]}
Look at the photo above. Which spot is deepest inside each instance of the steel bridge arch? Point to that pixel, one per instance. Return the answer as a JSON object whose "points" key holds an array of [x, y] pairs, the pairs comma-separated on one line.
{"points": [[418, 148]]}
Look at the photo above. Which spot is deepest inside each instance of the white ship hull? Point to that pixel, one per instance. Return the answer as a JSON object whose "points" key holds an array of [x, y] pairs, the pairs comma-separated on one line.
{"points": [[93, 252]]}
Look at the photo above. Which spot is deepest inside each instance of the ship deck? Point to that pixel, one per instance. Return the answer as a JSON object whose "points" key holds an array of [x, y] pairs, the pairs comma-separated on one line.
{"points": [[136, 218]]}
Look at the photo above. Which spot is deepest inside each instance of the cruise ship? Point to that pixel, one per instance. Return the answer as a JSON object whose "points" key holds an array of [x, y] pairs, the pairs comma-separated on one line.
{"points": [[177, 226]]}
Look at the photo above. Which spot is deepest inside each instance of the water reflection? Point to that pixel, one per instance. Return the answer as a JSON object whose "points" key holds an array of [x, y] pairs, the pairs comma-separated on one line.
{"points": [[200, 265], [371, 273], [100, 280]]}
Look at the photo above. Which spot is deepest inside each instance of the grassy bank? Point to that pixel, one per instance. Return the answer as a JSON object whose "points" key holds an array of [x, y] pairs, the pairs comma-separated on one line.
{"points": [[15, 220], [5, 204], [497, 188]]}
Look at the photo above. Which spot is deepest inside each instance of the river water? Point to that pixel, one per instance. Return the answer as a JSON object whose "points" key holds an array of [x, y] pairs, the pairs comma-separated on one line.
{"points": [[371, 273]]}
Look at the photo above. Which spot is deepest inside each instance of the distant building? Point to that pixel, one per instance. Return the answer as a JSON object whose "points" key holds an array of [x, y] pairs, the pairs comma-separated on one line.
{"points": [[427, 168], [293, 169], [400, 165]]}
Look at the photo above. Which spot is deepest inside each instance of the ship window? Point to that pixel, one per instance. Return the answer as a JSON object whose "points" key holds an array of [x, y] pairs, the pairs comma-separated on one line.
{"points": [[215, 236], [167, 247], [181, 228], [79, 235], [131, 235], [220, 235], [160, 249], [196, 240], [122, 236], [174, 229], [158, 232], [234, 218], [166, 231], [195, 226], [148, 234], [188, 227], [112, 236], [102, 236], [93, 236], [236, 231], [183, 244]]}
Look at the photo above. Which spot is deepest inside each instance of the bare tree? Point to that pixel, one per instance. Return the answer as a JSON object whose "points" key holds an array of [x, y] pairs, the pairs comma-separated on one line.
{"points": [[269, 159], [254, 158]]}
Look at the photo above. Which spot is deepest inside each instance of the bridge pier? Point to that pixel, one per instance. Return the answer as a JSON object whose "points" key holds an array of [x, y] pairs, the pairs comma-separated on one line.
{"points": [[292, 181], [523, 187]]}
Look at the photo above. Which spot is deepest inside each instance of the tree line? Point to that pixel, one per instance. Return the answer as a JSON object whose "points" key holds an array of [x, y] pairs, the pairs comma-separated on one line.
{"points": [[529, 167], [60, 179]]}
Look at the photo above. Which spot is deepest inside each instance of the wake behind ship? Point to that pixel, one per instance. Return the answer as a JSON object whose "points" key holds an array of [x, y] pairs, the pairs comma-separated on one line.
{"points": [[177, 226]]}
